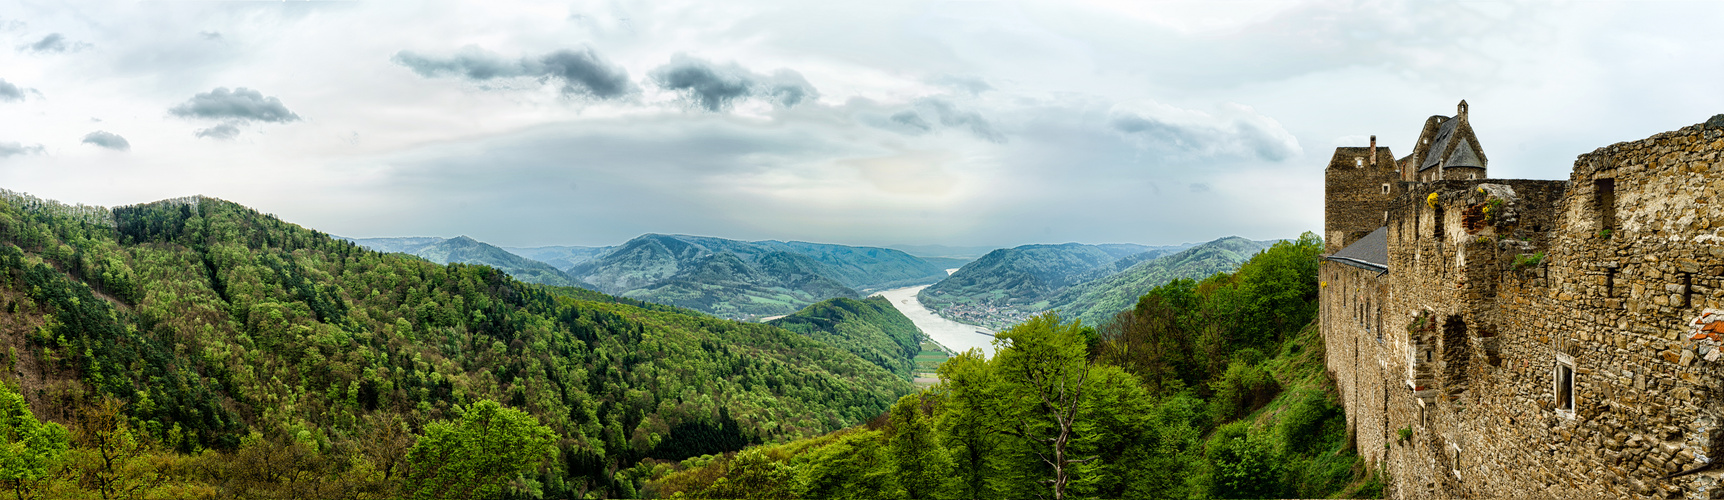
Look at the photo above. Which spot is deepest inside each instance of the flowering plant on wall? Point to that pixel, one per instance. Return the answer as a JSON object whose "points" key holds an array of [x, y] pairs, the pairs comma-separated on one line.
{"points": [[1431, 200]]}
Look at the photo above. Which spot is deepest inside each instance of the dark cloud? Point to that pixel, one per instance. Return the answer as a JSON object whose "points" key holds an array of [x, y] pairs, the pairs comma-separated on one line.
{"points": [[225, 131], [10, 92], [717, 87], [951, 116], [16, 149], [585, 71], [241, 104], [107, 140], [54, 42], [972, 84], [580, 71], [911, 119], [1237, 132]]}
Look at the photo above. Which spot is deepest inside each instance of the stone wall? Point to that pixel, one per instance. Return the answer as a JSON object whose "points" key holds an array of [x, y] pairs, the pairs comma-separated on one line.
{"points": [[1355, 194], [1630, 255]]}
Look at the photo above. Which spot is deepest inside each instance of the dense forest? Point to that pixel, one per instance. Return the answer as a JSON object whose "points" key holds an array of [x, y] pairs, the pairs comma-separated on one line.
{"points": [[195, 348], [870, 328], [1204, 389]]}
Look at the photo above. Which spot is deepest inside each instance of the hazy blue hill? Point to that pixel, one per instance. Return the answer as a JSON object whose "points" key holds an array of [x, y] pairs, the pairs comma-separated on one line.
{"points": [[1121, 250], [1097, 300], [759, 278], [560, 257], [866, 268], [955, 252], [464, 250], [870, 328], [725, 286], [1020, 277], [948, 262]]}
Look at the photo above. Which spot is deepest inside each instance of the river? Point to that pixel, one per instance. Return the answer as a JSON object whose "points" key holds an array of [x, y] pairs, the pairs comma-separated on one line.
{"points": [[954, 336]]}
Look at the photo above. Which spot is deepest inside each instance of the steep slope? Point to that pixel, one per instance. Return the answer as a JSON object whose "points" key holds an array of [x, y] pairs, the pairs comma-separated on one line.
{"points": [[210, 321], [464, 250], [560, 257], [870, 328], [780, 277], [723, 285], [1020, 277], [1097, 300]]}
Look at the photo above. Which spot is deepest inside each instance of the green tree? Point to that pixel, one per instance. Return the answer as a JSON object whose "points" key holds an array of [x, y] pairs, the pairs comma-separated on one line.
{"points": [[923, 465], [477, 456], [31, 447], [1045, 365]]}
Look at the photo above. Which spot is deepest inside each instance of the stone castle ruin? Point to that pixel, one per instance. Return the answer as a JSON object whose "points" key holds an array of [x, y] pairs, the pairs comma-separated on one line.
{"points": [[1530, 338]]}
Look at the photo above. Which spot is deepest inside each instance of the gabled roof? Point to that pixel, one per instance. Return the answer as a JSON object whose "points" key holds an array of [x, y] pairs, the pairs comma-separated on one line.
{"points": [[1370, 252], [1440, 143], [1464, 157]]}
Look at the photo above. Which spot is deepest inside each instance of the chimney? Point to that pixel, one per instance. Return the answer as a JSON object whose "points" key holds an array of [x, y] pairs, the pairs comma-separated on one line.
{"points": [[1373, 151], [1461, 110]]}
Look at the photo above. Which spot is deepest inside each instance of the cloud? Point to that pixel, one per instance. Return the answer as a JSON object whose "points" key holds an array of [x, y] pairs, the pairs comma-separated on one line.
{"points": [[8, 149], [581, 71], [910, 119], [972, 84], [107, 140], [241, 104], [54, 42], [225, 131], [10, 92], [951, 116], [210, 35], [717, 87], [1236, 131]]}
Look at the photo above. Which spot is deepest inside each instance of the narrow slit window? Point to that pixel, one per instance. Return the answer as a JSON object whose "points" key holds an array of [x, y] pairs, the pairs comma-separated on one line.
{"points": [[1687, 289], [1437, 223], [1609, 283]]}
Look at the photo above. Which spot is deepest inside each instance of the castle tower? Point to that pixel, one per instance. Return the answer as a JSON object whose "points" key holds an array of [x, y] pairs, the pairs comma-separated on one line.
{"points": [[1447, 150], [1357, 188]]}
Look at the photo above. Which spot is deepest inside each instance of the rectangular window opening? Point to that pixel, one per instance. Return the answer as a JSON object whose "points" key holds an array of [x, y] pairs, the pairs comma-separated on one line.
{"points": [[1604, 199], [1609, 282], [1564, 387]]}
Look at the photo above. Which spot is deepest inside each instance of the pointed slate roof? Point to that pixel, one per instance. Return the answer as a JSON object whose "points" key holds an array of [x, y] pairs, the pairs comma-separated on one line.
{"points": [[1370, 252], [1440, 144], [1464, 157]]}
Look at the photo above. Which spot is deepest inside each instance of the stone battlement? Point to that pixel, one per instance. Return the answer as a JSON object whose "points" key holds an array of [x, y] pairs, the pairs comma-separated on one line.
{"points": [[1532, 338]]}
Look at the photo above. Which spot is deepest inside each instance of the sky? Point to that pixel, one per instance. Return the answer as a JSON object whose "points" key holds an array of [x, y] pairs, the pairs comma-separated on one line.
{"points": [[864, 123]]}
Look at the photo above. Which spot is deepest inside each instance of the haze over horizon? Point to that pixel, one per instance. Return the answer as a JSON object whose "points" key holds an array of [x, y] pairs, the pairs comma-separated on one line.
{"points": [[892, 123]]}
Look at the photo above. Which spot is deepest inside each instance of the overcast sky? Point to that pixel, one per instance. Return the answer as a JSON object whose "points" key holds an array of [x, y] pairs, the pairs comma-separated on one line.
{"points": [[877, 122]]}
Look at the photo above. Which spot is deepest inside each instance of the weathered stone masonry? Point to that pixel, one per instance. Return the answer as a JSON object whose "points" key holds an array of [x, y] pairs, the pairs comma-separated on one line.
{"points": [[1526, 338]]}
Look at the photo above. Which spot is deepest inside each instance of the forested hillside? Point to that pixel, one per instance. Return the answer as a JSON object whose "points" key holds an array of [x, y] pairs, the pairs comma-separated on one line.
{"points": [[742, 279], [871, 328], [197, 349], [1017, 277], [1100, 298], [464, 250], [1177, 397]]}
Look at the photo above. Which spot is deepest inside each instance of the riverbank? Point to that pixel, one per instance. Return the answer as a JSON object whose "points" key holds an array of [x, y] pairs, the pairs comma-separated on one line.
{"points": [[955, 337]]}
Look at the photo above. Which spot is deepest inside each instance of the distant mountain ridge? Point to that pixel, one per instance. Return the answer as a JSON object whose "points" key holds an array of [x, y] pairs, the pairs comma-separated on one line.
{"points": [[1008, 285], [560, 257], [464, 250], [1098, 299], [758, 278]]}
